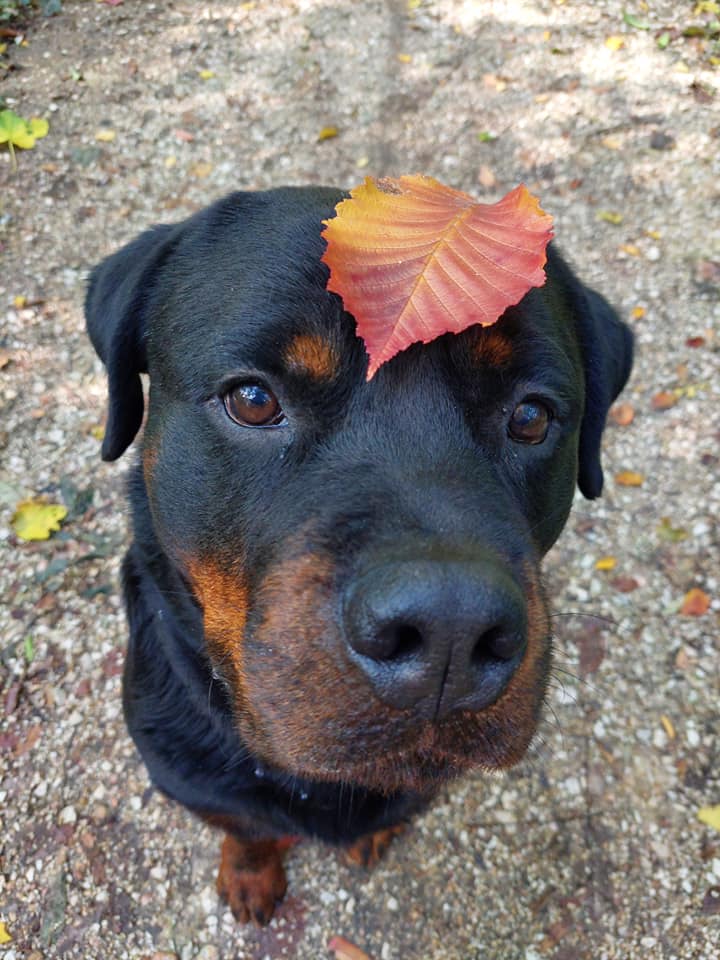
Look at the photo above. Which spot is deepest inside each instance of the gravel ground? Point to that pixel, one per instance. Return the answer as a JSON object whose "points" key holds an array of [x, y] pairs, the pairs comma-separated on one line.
{"points": [[591, 849]]}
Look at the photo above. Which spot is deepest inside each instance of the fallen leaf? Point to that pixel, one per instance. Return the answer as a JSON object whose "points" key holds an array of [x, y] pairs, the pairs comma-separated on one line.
{"points": [[4, 935], [36, 520], [695, 603], [344, 950], [327, 133], [19, 301], [184, 135], [695, 342], [608, 216], [614, 43], [105, 135], [710, 816], [17, 132], [668, 726], [630, 249], [413, 259], [206, 74], [606, 563], [404, 58], [625, 584], [629, 478], [663, 400], [638, 312], [612, 143], [632, 21], [622, 414], [201, 170], [666, 531]]}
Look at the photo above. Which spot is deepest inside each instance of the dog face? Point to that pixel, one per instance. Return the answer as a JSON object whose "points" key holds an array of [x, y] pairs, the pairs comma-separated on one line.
{"points": [[365, 554]]}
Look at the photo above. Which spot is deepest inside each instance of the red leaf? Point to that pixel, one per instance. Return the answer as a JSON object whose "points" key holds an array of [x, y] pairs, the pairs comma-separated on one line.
{"points": [[413, 259]]}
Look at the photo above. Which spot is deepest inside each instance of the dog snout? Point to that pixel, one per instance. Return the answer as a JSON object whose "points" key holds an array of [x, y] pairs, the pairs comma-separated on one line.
{"points": [[435, 637]]}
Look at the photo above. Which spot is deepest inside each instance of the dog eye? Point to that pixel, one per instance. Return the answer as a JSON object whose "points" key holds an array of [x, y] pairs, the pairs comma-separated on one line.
{"points": [[252, 404], [529, 422]]}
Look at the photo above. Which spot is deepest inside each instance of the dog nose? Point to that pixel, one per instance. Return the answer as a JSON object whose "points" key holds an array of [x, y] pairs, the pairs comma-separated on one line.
{"points": [[433, 636]]}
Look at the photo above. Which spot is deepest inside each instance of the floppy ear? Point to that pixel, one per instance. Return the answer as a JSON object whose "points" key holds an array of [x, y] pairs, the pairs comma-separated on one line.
{"points": [[607, 351], [116, 304]]}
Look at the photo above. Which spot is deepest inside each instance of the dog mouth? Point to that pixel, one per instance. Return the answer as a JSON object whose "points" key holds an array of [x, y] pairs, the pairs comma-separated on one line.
{"points": [[304, 704]]}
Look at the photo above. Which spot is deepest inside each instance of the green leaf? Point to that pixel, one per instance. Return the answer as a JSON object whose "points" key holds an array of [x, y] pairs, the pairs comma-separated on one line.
{"points": [[663, 40], [29, 649], [486, 137], [632, 21]]}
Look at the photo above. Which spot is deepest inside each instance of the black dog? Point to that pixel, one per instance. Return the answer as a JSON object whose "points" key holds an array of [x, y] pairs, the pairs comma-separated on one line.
{"points": [[333, 590]]}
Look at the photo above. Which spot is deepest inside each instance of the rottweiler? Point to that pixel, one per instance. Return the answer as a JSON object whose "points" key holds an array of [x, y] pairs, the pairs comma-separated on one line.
{"points": [[333, 591]]}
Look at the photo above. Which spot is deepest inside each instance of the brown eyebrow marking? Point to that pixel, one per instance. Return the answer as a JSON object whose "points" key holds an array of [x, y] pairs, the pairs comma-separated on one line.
{"points": [[309, 353], [492, 347]]}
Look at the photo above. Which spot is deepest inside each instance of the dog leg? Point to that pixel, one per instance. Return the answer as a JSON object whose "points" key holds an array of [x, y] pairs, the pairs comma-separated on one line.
{"points": [[251, 877], [368, 850]]}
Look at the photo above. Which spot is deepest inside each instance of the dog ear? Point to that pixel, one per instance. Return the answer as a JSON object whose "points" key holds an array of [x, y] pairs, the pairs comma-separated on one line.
{"points": [[116, 305], [607, 351]]}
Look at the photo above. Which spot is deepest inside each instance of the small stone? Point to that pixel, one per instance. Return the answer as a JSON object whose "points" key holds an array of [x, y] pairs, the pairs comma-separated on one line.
{"points": [[392, 904], [208, 952], [68, 815]]}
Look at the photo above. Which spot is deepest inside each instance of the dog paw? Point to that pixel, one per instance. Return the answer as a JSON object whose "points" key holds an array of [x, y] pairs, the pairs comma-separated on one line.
{"points": [[251, 878], [368, 850]]}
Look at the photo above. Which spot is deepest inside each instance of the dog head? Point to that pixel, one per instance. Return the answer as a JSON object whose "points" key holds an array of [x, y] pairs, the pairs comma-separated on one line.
{"points": [[365, 554]]}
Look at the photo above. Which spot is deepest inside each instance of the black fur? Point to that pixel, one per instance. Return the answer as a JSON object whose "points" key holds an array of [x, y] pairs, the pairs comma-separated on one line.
{"points": [[420, 449]]}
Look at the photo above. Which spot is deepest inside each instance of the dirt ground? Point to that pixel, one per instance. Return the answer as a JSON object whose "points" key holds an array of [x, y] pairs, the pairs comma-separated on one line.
{"points": [[590, 850]]}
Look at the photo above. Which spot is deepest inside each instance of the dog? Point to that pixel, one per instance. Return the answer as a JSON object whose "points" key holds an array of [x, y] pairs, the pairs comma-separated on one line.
{"points": [[333, 591]]}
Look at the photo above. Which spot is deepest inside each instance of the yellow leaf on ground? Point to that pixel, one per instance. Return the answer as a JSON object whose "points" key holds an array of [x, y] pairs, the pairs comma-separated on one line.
{"points": [[404, 58], [105, 135], [98, 432], [710, 816], [327, 133], [609, 216], [201, 170], [38, 127], [668, 726], [615, 43], [207, 74], [629, 478], [36, 520], [630, 249], [638, 312], [4, 935], [606, 563], [19, 301]]}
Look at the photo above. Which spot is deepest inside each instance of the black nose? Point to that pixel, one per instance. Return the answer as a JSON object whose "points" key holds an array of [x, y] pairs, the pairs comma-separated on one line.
{"points": [[436, 636]]}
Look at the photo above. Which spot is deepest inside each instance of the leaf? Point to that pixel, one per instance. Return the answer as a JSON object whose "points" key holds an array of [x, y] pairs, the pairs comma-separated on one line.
{"points": [[36, 520], [413, 259], [663, 400], [606, 563], [105, 135], [695, 603], [16, 132], [710, 816], [622, 414], [668, 726], [327, 133], [609, 216], [629, 478], [664, 40], [615, 43], [344, 950], [206, 74], [632, 21], [666, 531], [4, 935]]}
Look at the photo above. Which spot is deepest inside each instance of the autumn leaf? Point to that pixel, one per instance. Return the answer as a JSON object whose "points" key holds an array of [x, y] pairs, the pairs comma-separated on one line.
{"points": [[344, 950], [629, 478], [606, 563], [36, 520], [695, 603], [623, 414], [4, 935], [17, 132], [414, 259], [710, 816]]}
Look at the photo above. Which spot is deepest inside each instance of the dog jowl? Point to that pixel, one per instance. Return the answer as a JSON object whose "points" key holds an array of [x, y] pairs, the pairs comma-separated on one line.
{"points": [[333, 582]]}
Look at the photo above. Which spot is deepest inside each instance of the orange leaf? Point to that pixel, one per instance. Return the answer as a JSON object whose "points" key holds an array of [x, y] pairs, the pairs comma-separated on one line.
{"points": [[629, 478], [344, 950], [663, 400], [695, 603], [623, 414], [413, 259]]}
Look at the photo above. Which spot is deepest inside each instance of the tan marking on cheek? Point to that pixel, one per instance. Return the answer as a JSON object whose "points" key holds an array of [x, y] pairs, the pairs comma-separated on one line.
{"points": [[223, 597], [493, 348], [311, 355]]}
